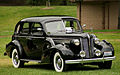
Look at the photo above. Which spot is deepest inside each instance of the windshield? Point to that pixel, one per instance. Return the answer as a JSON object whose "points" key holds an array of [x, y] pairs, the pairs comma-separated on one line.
{"points": [[63, 27], [55, 27]]}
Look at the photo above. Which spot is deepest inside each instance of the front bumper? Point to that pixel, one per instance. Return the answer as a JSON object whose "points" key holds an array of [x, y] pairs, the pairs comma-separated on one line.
{"points": [[89, 60]]}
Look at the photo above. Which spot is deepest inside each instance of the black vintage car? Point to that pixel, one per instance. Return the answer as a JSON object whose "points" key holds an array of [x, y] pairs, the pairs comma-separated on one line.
{"points": [[58, 40]]}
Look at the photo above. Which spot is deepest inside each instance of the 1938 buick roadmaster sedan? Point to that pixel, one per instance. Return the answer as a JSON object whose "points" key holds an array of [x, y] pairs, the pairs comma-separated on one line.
{"points": [[58, 40]]}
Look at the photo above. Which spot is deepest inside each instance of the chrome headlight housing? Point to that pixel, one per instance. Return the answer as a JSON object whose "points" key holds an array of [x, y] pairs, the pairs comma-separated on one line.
{"points": [[82, 54], [76, 42], [98, 52], [97, 41]]}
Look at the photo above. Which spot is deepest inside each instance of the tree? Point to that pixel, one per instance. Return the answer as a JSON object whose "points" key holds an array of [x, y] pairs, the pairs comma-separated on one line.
{"points": [[33, 2], [47, 3]]}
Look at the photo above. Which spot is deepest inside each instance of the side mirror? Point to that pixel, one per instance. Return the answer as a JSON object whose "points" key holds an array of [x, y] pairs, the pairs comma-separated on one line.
{"points": [[84, 25]]}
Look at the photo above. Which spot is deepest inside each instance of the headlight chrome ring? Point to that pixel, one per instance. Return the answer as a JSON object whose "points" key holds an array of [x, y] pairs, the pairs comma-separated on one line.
{"points": [[82, 54], [98, 53], [76, 42], [97, 41]]}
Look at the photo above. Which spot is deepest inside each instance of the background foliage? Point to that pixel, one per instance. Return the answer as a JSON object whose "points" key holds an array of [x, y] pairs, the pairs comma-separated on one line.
{"points": [[34, 2]]}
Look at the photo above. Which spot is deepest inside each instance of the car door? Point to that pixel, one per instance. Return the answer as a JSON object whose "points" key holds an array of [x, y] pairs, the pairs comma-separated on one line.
{"points": [[23, 36], [36, 41]]}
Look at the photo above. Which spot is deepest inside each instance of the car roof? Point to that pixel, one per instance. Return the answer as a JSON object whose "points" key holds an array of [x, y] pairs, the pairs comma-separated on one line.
{"points": [[45, 18]]}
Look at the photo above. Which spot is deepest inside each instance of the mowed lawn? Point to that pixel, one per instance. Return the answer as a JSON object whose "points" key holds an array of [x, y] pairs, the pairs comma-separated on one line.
{"points": [[9, 16]]}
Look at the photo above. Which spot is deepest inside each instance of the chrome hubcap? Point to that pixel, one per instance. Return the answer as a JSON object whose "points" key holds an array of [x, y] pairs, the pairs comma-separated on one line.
{"points": [[15, 58], [58, 63]]}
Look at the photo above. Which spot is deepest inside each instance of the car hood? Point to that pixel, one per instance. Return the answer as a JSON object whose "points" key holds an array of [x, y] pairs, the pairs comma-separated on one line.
{"points": [[82, 35]]}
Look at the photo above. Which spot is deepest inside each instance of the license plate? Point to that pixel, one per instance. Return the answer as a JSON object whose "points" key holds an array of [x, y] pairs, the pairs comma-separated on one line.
{"points": [[107, 53]]}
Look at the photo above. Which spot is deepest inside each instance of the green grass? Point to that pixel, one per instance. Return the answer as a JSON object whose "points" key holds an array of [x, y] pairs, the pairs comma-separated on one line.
{"points": [[6, 67], [9, 16], [113, 30]]}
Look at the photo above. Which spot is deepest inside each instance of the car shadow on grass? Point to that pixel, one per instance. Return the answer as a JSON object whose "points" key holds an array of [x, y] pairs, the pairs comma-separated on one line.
{"points": [[69, 67], [81, 68], [40, 66]]}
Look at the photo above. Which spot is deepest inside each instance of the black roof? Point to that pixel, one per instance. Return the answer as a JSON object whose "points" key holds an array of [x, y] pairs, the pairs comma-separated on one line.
{"points": [[45, 18]]}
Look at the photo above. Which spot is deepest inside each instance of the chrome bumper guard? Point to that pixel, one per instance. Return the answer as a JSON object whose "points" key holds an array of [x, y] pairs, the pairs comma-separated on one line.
{"points": [[89, 60]]}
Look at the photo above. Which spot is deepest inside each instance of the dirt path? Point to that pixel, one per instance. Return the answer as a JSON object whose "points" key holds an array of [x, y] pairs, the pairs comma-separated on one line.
{"points": [[5, 36], [118, 40], [108, 32]]}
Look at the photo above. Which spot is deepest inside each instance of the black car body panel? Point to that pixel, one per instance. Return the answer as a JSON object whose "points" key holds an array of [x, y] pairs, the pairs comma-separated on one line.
{"points": [[12, 45]]}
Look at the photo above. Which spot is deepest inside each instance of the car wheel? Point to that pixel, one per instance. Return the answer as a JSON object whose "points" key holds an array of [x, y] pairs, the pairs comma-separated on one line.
{"points": [[105, 65], [58, 62], [15, 59]]}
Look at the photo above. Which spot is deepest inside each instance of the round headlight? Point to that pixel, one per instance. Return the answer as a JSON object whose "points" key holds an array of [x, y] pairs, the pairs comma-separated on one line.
{"points": [[76, 42], [82, 54], [97, 52], [97, 41]]}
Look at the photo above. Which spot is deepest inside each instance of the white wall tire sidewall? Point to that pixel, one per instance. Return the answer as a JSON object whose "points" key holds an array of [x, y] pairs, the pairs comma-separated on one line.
{"points": [[18, 65], [54, 62]]}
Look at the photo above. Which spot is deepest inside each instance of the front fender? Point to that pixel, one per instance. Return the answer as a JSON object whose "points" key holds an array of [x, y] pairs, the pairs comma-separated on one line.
{"points": [[48, 54], [60, 48], [106, 46], [65, 52], [14, 44]]}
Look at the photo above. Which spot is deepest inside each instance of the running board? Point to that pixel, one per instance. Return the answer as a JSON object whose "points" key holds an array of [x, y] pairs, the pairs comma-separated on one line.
{"points": [[39, 61]]}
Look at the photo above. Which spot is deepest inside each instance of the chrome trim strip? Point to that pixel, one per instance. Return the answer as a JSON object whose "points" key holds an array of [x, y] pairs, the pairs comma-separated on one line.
{"points": [[89, 60], [81, 44], [31, 60], [31, 37], [89, 45]]}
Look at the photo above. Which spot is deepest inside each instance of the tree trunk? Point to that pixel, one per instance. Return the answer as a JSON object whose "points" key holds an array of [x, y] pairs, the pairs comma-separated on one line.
{"points": [[48, 3]]}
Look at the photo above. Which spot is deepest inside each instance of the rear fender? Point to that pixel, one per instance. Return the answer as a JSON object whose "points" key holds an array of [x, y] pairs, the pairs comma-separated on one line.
{"points": [[14, 44]]}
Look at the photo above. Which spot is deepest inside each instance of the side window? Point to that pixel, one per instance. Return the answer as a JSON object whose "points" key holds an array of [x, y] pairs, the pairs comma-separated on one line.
{"points": [[25, 28], [71, 26], [37, 29], [18, 29]]}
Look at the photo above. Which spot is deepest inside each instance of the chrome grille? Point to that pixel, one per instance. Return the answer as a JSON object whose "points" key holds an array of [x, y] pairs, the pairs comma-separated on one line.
{"points": [[92, 47], [88, 45]]}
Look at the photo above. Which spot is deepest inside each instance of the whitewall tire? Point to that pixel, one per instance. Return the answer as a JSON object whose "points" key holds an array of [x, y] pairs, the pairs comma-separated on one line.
{"points": [[15, 59], [58, 62]]}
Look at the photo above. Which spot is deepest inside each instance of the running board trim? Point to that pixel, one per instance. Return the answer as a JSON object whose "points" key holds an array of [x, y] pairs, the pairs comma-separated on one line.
{"points": [[31, 60]]}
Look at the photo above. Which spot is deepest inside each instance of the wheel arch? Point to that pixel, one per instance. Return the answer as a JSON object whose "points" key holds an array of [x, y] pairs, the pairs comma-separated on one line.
{"points": [[12, 45], [53, 53], [64, 52], [110, 46]]}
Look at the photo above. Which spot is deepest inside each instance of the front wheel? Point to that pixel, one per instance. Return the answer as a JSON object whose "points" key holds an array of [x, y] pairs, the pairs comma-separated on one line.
{"points": [[15, 59], [58, 62], [105, 65]]}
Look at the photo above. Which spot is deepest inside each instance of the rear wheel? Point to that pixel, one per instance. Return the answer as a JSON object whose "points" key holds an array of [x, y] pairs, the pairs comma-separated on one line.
{"points": [[58, 62], [15, 59], [105, 65]]}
